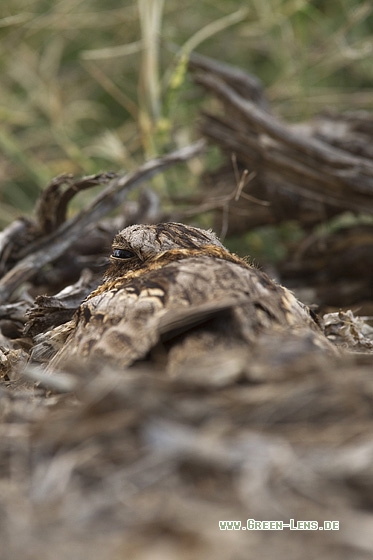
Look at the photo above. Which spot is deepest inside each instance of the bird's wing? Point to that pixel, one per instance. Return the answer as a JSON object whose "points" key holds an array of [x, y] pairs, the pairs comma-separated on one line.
{"points": [[178, 321], [124, 323]]}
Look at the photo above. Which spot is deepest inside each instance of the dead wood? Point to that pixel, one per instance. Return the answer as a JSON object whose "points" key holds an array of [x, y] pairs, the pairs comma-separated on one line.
{"points": [[307, 165], [306, 172], [58, 235], [327, 161], [247, 85], [338, 266]]}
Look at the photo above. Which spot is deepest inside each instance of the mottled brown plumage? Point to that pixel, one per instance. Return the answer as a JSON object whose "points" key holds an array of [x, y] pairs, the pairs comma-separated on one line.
{"points": [[173, 294]]}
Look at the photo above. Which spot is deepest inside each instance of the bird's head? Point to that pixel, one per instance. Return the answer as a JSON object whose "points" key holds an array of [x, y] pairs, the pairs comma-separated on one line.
{"points": [[137, 247]]}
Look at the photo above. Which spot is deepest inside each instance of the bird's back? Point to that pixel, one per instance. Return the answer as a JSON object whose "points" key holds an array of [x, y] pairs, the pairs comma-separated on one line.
{"points": [[183, 307]]}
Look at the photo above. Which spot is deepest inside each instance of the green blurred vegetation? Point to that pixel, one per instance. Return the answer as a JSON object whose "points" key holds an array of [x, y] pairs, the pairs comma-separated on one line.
{"points": [[100, 85], [267, 244]]}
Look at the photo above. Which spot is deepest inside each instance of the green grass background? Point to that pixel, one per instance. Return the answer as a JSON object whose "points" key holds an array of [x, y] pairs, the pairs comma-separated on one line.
{"points": [[89, 86]]}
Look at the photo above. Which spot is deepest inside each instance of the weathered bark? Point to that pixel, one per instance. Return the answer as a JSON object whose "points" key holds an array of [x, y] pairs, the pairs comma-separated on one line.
{"points": [[327, 161], [308, 173]]}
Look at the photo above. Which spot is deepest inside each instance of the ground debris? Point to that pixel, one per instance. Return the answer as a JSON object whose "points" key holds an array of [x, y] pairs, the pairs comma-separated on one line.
{"points": [[344, 328], [131, 462], [136, 461]]}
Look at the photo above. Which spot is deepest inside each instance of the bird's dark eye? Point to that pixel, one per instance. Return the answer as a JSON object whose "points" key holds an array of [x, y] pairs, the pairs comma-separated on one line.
{"points": [[122, 254]]}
